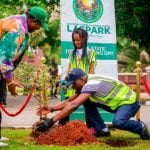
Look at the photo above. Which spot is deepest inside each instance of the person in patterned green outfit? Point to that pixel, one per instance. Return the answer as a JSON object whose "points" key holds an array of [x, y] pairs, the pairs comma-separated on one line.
{"points": [[14, 35]]}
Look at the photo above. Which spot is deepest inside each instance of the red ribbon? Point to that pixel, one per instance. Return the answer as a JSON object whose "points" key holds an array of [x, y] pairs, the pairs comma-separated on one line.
{"points": [[146, 85]]}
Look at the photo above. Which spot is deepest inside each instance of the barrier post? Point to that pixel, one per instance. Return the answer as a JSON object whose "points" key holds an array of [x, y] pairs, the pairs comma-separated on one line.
{"points": [[138, 83]]}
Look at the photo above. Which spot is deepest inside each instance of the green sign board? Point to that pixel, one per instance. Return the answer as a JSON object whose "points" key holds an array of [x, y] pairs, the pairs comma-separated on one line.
{"points": [[97, 17], [104, 51]]}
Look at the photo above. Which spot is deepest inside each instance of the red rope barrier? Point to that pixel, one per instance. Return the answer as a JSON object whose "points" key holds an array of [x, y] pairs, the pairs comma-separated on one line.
{"points": [[146, 85], [23, 106], [20, 110]]}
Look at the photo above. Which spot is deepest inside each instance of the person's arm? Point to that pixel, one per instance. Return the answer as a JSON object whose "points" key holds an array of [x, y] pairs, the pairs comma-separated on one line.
{"points": [[56, 107], [9, 50], [71, 106], [92, 68], [62, 104], [67, 110], [68, 70], [92, 62]]}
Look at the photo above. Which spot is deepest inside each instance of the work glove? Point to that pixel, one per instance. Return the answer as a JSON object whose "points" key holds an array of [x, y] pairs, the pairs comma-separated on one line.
{"points": [[45, 125]]}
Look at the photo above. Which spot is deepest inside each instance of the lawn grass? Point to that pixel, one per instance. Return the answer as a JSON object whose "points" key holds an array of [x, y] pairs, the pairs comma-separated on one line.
{"points": [[20, 140]]}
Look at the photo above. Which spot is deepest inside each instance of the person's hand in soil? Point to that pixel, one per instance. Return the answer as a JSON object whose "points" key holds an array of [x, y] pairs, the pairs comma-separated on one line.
{"points": [[34, 126], [45, 125], [43, 110]]}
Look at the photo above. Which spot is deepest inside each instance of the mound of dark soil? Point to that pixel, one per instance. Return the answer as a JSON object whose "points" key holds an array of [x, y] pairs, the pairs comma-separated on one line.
{"points": [[73, 133]]}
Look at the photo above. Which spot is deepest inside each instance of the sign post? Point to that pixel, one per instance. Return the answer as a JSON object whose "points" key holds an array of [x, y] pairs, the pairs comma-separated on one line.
{"points": [[97, 17]]}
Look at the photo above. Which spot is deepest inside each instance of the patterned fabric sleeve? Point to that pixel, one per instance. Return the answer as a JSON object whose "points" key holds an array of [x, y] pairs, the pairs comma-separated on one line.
{"points": [[10, 42]]}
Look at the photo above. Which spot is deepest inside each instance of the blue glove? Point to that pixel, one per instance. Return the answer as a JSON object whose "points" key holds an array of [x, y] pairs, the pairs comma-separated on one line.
{"points": [[45, 125]]}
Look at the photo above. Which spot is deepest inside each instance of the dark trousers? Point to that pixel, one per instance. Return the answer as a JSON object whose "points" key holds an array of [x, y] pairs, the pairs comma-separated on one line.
{"points": [[3, 94], [92, 117], [90, 120], [3, 90], [121, 118]]}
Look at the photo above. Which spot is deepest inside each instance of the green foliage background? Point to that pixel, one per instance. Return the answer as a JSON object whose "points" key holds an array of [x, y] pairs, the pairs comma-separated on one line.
{"points": [[50, 40], [132, 21], [133, 32], [132, 18]]}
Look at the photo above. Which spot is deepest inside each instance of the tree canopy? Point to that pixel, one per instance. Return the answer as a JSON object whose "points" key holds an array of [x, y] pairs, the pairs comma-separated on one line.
{"points": [[132, 18], [49, 40], [132, 21]]}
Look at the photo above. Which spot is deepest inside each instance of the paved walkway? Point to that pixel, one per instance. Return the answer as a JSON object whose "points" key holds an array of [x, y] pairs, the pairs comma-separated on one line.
{"points": [[25, 119], [28, 116]]}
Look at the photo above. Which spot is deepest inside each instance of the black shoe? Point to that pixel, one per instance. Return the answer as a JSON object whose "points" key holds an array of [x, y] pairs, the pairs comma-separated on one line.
{"points": [[145, 134], [101, 133]]}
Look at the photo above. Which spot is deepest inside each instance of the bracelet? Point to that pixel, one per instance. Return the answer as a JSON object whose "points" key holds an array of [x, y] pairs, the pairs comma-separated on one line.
{"points": [[10, 83]]}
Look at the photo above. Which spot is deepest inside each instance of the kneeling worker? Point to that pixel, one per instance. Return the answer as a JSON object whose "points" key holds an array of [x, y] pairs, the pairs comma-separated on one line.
{"points": [[103, 92]]}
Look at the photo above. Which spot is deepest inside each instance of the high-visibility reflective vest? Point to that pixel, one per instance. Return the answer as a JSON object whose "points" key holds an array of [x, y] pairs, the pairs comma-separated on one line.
{"points": [[110, 92], [83, 64]]}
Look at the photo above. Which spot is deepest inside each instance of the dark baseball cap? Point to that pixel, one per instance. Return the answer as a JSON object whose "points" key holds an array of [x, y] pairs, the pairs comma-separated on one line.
{"points": [[40, 14], [74, 75]]}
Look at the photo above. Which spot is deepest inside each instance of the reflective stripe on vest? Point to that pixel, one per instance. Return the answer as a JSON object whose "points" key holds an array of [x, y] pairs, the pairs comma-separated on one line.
{"points": [[82, 65], [117, 96], [109, 98]]}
